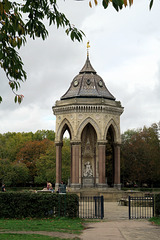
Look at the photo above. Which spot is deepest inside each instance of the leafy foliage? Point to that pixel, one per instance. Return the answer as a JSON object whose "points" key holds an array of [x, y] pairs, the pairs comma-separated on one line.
{"points": [[117, 4], [140, 154], [157, 205], [19, 20], [30, 153], [46, 164], [22, 205], [17, 146], [13, 174]]}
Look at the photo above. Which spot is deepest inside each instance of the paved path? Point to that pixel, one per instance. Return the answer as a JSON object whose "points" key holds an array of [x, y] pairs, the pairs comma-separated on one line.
{"points": [[116, 226], [121, 230]]}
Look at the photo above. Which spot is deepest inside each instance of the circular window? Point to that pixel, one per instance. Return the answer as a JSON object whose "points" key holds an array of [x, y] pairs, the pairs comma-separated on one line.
{"points": [[88, 81], [100, 83], [75, 83]]}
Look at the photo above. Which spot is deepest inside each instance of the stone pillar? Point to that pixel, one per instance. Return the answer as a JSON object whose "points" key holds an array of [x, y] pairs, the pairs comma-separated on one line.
{"points": [[102, 164], [117, 183], [75, 165], [58, 163]]}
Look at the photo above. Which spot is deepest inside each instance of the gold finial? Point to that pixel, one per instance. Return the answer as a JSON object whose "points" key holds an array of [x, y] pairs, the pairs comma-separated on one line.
{"points": [[88, 46]]}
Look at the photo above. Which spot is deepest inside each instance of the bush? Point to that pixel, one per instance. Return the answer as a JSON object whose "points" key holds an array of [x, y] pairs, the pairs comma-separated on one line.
{"points": [[37, 205], [157, 205]]}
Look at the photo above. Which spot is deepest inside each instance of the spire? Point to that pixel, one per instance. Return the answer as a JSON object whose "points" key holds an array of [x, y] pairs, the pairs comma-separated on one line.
{"points": [[87, 68], [87, 84], [88, 46]]}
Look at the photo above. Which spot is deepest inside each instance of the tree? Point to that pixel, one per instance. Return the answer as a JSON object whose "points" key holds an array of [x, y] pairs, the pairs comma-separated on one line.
{"points": [[13, 174], [46, 166], [19, 20], [66, 160], [117, 4], [30, 153], [20, 175], [140, 154]]}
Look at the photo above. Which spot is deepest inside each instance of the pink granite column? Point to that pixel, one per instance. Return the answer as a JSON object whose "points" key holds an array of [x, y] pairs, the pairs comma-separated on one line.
{"points": [[58, 163], [75, 165], [101, 159], [117, 182]]}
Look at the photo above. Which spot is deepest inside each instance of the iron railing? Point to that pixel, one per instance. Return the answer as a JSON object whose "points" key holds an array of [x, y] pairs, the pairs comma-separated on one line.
{"points": [[141, 207], [91, 207]]}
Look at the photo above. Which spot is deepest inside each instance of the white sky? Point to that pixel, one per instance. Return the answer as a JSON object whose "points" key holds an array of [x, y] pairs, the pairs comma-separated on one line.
{"points": [[125, 52]]}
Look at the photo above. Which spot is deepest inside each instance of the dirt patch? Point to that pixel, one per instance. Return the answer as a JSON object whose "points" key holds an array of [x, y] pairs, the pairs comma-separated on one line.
{"points": [[51, 234]]}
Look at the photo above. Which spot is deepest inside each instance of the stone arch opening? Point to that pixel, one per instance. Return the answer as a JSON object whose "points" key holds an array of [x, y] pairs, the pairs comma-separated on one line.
{"points": [[110, 156], [64, 125], [63, 153], [66, 155], [88, 156]]}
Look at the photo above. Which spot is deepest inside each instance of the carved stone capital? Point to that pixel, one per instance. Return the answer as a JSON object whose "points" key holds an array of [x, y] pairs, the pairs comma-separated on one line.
{"points": [[116, 144], [59, 144], [75, 142], [103, 142]]}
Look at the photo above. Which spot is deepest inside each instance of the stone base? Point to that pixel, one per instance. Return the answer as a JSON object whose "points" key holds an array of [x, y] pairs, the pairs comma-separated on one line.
{"points": [[102, 186], [75, 186], [56, 186], [117, 186], [87, 182]]}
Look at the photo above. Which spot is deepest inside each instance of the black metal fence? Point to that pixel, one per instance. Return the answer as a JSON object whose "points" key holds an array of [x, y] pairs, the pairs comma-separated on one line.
{"points": [[91, 207], [141, 207]]}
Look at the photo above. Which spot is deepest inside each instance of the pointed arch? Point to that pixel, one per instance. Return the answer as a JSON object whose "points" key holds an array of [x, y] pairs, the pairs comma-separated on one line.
{"points": [[94, 125], [115, 130], [65, 125]]}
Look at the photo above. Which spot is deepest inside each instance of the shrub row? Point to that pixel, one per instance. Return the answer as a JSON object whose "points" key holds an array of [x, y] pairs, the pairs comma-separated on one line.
{"points": [[37, 205], [157, 205]]}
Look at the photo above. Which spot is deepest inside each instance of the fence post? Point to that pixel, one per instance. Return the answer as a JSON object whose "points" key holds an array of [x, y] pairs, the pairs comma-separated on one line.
{"points": [[129, 205], [95, 201], [59, 205], [102, 207], [154, 204]]}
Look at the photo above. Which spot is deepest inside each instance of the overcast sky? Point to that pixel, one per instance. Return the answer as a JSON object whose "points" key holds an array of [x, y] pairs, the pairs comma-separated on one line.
{"points": [[125, 52]]}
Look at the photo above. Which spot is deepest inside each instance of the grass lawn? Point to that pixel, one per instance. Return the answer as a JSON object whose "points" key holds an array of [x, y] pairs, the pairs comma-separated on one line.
{"points": [[156, 220], [9, 236], [53, 225]]}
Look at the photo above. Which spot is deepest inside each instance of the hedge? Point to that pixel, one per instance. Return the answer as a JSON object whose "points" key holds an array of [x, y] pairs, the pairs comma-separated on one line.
{"points": [[37, 205], [157, 205]]}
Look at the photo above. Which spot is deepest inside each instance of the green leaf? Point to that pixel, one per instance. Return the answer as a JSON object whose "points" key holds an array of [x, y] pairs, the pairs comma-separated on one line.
{"points": [[105, 3], [151, 4], [15, 99], [72, 35], [0, 99], [19, 99]]}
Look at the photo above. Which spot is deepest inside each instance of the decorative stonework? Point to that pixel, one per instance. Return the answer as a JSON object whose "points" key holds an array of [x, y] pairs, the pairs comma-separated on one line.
{"points": [[87, 172]]}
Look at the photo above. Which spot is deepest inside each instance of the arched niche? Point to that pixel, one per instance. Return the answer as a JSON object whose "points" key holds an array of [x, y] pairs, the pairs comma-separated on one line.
{"points": [[88, 155]]}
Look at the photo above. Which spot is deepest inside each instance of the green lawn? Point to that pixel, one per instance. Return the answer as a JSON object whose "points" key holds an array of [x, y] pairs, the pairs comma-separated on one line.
{"points": [[53, 225], [9, 236], [156, 220]]}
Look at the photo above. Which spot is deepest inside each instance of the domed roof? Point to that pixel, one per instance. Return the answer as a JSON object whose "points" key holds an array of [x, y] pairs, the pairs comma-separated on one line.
{"points": [[87, 84]]}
